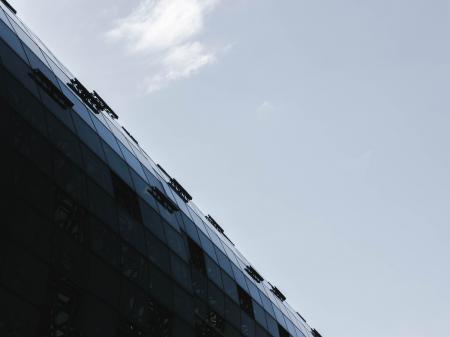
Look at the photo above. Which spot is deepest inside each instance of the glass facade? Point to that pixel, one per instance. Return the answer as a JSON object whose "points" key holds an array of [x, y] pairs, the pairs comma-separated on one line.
{"points": [[98, 240]]}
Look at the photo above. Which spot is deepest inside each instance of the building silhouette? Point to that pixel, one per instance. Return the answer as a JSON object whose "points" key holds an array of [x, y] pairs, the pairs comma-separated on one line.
{"points": [[96, 240]]}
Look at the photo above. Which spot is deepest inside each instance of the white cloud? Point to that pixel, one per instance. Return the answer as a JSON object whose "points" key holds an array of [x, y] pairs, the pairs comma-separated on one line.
{"points": [[180, 62], [167, 31], [264, 106], [264, 110]]}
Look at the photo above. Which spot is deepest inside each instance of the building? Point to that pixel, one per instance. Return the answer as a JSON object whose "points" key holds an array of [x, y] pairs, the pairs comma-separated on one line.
{"points": [[96, 239]]}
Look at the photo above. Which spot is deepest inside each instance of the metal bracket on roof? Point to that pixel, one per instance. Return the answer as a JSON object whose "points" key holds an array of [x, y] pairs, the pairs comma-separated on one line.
{"points": [[278, 293], [164, 171], [92, 99], [8, 5], [163, 199], [103, 106], [130, 135], [303, 319], [215, 224], [254, 274], [316, 333], [218, 227], [176, 186]]}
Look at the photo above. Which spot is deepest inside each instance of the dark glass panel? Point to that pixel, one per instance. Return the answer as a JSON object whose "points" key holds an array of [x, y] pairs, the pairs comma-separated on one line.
{"points": [[117, 164], [181, 329], [131, 231], [247, 325], [131, 160], [88, 136], [199, 284], [191, 229], [239, 277], [26, 227], [133, 265], [224, 261], [160, 287], [64, 140], [232, 313], [245, 301], [283, 332], [254, 291], [18, 269], [69, 258], [102, 205], [230, 331], [181, 272], [17, 317], [207, 245], [104, 242], [69, 177], [259, 314], [152, 220], [260, 332], [176, 242], [70, 217], [197, 258], [95, 318], [97, 169], [183, 305], [157, 252], [104, 281], [272, 326], [216, 299], [132, 302], [230, 287], [126, 197], [213, 271], [106, 135]]}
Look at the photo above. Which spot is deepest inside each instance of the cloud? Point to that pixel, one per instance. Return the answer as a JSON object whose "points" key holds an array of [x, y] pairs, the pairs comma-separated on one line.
{"points": [[180, 62], [264, 106], [167, 31], [264, 110]]}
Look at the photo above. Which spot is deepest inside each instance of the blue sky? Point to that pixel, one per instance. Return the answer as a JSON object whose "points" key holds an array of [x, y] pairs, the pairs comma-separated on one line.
{"points": [[315, 132]]}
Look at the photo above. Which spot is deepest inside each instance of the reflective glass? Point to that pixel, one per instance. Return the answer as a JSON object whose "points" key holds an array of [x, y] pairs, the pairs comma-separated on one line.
{"points": [[260, 314], [157, 252], [216, 299], [207, 246], [254, 292], [279, 316], [106, 135], [213, 271], [89, 136], [176, 242], [229, 286], [247, 325], [272, 326], [131, 160], [152, 220], [117, 164], [191, 229], [224, 262], [239, 277], [4, 18], [181, 272], [11, 39], [267, 305]]}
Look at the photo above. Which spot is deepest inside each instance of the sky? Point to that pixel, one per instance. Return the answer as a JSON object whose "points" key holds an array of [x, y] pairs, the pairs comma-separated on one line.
{"points": [[315, 132]]}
